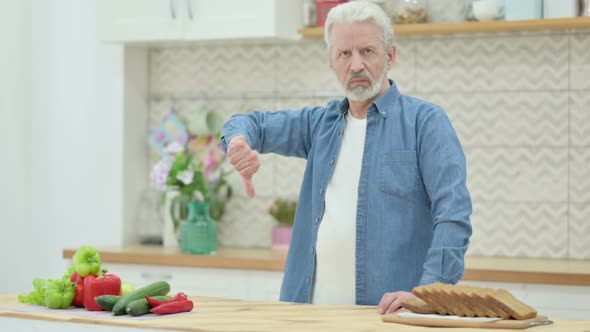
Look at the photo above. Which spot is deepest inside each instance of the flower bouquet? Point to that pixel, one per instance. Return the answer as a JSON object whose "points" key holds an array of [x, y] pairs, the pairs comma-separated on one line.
{"points": [[192, 172]]}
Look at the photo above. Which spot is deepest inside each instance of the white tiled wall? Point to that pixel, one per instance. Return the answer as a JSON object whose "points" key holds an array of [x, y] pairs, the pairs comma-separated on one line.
{"points": [[520, 103]]}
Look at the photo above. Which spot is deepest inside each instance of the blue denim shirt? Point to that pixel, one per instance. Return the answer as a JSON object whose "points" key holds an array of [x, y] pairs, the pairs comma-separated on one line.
{"points": [[412, 220]]}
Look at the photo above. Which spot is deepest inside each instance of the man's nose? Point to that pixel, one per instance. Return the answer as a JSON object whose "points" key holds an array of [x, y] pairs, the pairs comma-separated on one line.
{"points": [[356, 64]]}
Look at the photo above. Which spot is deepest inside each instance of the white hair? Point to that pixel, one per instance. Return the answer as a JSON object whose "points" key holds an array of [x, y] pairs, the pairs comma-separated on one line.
{"points": [[360, 12]]}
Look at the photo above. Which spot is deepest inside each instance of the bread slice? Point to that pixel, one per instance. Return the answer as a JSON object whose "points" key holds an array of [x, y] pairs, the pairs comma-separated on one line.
{"points": [[442, 297], [423, 292], [480, 295], [418, 306], [458, 292], [507, 302], [480, 307], [453, 304]]}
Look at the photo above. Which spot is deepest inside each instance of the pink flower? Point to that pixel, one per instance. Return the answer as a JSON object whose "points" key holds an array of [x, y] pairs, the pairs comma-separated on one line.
{"points": [[159, 173]]}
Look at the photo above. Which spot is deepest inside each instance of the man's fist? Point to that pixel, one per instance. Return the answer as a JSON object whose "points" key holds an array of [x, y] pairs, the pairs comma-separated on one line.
{"points": [[245, 161]]}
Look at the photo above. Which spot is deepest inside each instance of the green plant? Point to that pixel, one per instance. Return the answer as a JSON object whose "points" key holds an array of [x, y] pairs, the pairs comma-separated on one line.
{"points": [[284, 211]]}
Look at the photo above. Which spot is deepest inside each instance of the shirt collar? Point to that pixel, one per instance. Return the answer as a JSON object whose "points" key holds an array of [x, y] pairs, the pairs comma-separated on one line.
{"points": [[382, 103]]}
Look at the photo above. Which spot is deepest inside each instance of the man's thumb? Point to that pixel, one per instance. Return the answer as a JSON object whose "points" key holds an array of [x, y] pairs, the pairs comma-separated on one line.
{"points": [[250, 191]]}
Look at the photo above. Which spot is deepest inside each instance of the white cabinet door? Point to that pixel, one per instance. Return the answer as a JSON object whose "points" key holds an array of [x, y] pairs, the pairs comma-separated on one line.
{"points": [[230, 19], [170, 20], [141, 20]]}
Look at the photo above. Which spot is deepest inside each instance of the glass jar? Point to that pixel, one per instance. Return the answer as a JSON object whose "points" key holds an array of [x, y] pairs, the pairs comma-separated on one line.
{"points": [[447, 10], [585, 10], [408, 11], [199, 231], [485, 10]]}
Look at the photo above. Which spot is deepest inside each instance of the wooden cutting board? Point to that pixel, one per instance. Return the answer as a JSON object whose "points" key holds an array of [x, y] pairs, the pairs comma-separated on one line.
{"points": [[436, 322]]}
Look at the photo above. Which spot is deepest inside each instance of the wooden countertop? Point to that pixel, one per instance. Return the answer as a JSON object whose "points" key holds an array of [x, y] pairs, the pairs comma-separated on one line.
{"points": [[517, 270], [215, 314]]}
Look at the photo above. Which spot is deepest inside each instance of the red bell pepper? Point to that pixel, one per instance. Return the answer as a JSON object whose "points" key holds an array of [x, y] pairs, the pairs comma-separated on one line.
{"points": [[79, 289], [178, 297], [173, 307], [103, 284]]}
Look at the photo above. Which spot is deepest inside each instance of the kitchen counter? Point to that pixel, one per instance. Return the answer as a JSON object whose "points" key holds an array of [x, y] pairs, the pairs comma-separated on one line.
{"points": [[516, 270], [216, 314]]}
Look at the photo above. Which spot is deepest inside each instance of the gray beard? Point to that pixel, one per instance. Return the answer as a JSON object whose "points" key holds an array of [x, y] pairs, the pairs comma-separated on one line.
{"points": [[361, 93]]}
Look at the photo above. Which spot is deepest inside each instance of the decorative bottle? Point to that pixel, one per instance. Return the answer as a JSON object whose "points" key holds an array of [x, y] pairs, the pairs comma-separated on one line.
{"points": [[199, 230]]}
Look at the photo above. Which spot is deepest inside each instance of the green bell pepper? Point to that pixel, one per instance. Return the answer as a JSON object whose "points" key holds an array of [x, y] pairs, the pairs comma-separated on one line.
{"points": [[86, 261], [59, 294]]}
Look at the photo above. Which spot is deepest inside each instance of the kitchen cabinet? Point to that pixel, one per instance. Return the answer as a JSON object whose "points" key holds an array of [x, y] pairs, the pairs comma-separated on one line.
{"points": [[230, 283], [193, 20]]}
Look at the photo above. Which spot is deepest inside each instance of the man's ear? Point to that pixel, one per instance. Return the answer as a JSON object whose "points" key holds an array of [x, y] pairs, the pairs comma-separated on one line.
{"points": [[391, 57]]}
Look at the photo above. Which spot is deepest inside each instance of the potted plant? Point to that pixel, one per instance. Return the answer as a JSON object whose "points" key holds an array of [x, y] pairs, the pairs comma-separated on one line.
{"points": [[283, 211]]}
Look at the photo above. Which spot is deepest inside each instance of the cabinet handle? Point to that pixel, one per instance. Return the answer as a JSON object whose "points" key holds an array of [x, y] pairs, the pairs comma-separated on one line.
{"points": [[173, 9], [189, 6]]}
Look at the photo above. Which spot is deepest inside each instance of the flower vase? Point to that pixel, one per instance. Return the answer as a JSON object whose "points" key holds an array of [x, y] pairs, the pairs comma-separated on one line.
{"points": [[199, 231], [175, 210], [281, 237]]}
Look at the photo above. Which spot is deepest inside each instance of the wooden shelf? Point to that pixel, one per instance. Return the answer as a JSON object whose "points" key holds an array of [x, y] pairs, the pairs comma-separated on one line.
{"points": [[474, 27]]}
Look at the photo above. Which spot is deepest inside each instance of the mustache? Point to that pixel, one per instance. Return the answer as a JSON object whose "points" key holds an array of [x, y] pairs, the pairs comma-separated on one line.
{"points": [[361, 74]]}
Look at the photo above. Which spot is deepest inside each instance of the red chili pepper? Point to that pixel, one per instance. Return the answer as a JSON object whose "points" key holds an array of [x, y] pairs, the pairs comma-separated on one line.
{"points": [[178, 297], [173, 307], [79, 297], [103, 284]]}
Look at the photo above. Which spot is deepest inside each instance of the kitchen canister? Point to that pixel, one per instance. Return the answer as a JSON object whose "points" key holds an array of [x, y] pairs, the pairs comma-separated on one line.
{"points": [[447, 10], [485, 10], [407, 11], [515, 10], [560, 8]]}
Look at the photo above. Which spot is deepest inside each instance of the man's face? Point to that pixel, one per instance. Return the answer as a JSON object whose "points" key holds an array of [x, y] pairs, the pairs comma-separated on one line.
{"points": [[359, 59]]}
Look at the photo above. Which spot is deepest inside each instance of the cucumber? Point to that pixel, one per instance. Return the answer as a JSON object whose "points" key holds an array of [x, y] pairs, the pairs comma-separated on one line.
{"points": [[107, 302], [141, 306], [154, 289]]}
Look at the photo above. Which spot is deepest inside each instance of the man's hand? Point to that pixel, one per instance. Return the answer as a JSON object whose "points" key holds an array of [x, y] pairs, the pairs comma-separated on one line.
{"points": [[244, 160], [391, 302]]}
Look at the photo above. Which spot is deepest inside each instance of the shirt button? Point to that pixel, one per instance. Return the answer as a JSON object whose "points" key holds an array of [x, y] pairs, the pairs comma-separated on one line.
{"points": [[384, 114], [321, 191], [308, 280], [332, 162], [312, 251], [317, 220]]}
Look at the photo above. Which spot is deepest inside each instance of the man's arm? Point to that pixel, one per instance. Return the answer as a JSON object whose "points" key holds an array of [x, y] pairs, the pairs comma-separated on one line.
{"points": [[443, 168], [288, 133]]}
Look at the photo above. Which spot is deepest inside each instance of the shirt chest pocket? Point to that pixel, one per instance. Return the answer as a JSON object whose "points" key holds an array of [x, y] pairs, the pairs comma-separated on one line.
{"points": [[399, 174]]}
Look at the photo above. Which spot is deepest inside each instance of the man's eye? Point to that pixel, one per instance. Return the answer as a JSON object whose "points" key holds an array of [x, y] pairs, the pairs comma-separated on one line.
{"points": [[368, 51], [344, 53]]}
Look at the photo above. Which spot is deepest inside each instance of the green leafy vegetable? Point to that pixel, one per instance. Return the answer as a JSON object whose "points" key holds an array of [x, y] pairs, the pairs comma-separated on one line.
{"points": [[38, 295]]}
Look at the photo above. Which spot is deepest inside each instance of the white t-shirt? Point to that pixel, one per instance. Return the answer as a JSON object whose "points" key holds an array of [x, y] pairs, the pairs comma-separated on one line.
{"points": [[335, 250]]}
